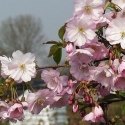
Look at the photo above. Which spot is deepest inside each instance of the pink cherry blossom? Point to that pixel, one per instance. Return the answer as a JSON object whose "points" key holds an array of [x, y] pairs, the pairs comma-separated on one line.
{"points": [[103, 91], [81, 55], [115, 33], [103, 74], [119, 83], [53, 80], [21, 67], [90, 9], [104, 19], [60, 100], [80, 32], [100, 51], [95, 116], [16, 112], [39, 100], [3, 110], [80, 71]]}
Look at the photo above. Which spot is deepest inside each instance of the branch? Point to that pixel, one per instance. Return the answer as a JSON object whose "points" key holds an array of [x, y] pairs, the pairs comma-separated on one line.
{"points": [[111, 101], [54, 67]]}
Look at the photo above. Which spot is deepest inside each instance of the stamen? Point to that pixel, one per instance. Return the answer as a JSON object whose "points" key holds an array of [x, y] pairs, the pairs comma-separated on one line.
{"points": [[40, 101], [80, 29], [22, 66], [88, 9], [122, 34]]}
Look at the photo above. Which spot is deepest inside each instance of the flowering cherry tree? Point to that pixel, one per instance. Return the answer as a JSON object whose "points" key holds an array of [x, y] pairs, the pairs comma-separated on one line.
{"points": [[94, 39]]}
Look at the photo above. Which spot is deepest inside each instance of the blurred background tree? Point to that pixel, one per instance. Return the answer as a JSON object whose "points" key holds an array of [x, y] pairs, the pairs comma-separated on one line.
{"points": [[23, 33]]}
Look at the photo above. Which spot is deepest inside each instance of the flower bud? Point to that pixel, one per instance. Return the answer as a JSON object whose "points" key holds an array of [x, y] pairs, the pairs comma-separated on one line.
{"points": [[69, 47], [91, 101], [70, 102], [82, 113], [70, 83], [87, 98], [75, 108]]}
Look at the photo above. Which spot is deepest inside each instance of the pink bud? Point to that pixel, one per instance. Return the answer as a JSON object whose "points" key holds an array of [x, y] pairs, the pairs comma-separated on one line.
{"points": [[82, 113], [75, 108], [91, 101], [69, 47], [70, 102], [87, 98], [71, 97], [70, 83]]}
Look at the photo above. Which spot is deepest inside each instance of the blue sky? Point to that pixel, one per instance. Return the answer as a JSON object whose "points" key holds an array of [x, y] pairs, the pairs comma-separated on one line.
{"points": [[53, 13]]}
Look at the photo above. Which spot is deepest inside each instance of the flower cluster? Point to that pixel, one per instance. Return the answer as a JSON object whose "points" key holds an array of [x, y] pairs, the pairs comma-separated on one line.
{"points": [[95, 58]]}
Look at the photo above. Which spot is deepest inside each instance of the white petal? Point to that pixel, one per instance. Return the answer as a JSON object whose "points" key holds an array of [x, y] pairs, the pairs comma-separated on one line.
{"points": [[26, 77], [116, 36], [123, 43], [90, 34], [81, 40], [17, 54]]}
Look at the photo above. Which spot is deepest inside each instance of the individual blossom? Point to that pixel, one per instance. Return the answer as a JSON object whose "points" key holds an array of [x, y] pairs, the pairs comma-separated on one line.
{"points": [[39, 100], [96, 116], [115, 33], [81, 55], [53, 80], [100, 51], [104, 75], [16, 112], [80, 71], [80, 31], [22, 66], [90, 9]]}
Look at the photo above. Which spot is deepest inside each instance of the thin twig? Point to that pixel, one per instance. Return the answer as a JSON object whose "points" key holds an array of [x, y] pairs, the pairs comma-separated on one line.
{"points": [[54, 67]]}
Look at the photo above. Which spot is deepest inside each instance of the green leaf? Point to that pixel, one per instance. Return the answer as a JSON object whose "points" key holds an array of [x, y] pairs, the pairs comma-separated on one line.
{"points": [[111, 6], [61, 31], [57, 56], [53, 49]]}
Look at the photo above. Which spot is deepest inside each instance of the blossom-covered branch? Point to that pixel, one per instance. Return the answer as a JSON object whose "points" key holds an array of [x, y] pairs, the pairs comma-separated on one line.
{"points": [[94, 40]]}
